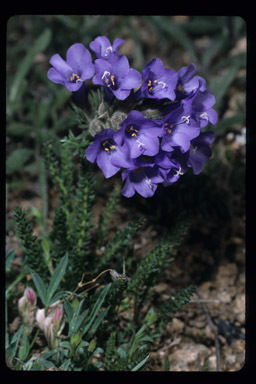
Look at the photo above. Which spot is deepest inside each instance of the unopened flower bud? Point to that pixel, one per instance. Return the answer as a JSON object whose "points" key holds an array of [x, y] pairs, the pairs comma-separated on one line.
{"points": [[52, 324], [26, 307], [30, 295], [49, 332], [22, 305], [117, 118], [102, 109], [40, 318], [95, 126]]}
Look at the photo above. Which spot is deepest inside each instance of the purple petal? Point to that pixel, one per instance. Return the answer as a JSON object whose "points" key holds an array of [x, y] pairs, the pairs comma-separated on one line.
{"points": [[151, 145], [155, 66], [181, 140], [132, 80], [203, 101], [121, 66], [145, 188], [191, 131], [100, 67], [120, 157], [121, 94], [136, 149], [55, 76], [104, 163], [128, 188], [79, 59], [92, 151], [186, 73], [116, 44], [99, 45], [73, 87], [61, 66]]}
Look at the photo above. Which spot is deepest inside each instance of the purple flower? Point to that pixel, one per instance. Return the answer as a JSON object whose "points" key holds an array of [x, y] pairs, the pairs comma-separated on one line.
{"points": [[142, 178], [139, 134], [188, 82], [159, 82], [116, 76], [75, 70], [179, 130], [102, 47], [200, 151], [105, 152], [199, 106], [171, 165]]}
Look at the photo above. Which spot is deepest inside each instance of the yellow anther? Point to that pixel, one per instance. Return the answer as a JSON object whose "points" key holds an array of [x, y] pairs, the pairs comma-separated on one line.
{"points": [[74, 77]]}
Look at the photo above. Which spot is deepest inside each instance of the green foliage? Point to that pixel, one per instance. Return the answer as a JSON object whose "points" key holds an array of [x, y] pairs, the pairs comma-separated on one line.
{"points": [[106, 215], [151, 268], [33, 253], [110, 351], [173, 305], [59, 234], [118, 245], [95, 337]]}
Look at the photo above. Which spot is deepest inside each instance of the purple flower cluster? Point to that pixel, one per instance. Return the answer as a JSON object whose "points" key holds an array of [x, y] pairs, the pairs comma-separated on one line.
{"points": [[148, 151], [110, 70]]}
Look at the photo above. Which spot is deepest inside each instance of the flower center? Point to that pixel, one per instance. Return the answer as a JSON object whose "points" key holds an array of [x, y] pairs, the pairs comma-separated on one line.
{"points": [[108, 145], [75, 78], [168, 127], [110, 80], [131, 130], [155, 86]]}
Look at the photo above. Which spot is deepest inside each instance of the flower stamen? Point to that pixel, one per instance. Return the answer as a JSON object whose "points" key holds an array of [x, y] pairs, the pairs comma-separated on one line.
{"points": [[75, 78], [106, 73], [140, 144], [204, 115], [179, 172], [148, 181], [108, 50], [186, 119]]}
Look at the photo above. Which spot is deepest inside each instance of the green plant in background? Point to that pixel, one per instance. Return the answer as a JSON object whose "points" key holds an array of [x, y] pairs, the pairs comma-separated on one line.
{"points": [[75, 300]]}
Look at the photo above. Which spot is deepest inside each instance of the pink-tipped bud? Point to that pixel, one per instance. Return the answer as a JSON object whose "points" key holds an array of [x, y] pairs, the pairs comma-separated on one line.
{"points": [[29, 293], [52, 324], [26, 307], [57, 317]]}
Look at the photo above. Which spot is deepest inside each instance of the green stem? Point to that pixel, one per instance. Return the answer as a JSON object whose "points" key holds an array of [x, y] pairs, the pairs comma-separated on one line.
{"points": [[34, 339]]}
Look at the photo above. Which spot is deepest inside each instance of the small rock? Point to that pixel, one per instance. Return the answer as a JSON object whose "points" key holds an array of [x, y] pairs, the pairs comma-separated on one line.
{"points": [[190, 358], [176, 326], [239, 308]]}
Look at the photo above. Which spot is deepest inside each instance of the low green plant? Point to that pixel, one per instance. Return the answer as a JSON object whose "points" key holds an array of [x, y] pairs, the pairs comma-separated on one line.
{"points": [[85, 281]]}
